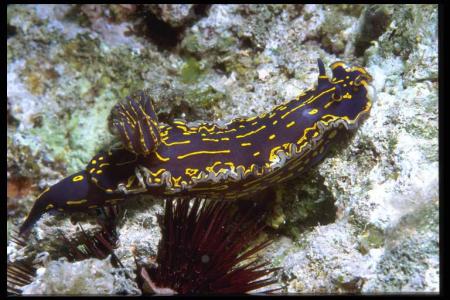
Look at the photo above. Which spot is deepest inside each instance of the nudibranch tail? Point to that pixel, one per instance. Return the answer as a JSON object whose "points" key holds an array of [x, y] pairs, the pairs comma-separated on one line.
{"points": [[137, 124], [33, 216], [71, 190]]}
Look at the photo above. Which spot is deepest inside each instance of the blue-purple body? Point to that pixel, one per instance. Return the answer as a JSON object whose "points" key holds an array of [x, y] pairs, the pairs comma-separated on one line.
{"points": [[227, 161]]}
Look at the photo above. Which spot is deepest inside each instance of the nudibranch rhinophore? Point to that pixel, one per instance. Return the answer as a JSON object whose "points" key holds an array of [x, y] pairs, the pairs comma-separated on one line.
{"points": [[228, 161]]}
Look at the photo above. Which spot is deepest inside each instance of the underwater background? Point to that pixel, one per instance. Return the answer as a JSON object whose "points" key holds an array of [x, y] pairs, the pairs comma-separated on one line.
{"points": [[366, 220]]}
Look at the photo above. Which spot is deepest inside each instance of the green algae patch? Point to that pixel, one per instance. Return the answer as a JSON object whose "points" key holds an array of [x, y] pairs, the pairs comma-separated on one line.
{"points": [[191, 71], [372, 237], [52, 136], [206, 98], [191, 44], [75, 137]]}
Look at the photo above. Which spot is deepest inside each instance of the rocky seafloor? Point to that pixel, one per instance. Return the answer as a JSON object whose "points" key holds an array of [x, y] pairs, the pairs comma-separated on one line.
{"points": [[366, 220]]}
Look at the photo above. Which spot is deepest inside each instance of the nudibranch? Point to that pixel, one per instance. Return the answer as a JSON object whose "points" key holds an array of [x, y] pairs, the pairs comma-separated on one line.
{"points": [[219, 161]]}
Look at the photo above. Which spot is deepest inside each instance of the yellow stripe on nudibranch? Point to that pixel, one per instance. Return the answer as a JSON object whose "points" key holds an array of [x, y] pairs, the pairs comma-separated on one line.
{"points": [[251, 132], [210, 140], [290, 124], [43, 192], [177, 143], [203, 152], [311, 99], [160, 157], [157, 172], [191, 172], [76, 202]]}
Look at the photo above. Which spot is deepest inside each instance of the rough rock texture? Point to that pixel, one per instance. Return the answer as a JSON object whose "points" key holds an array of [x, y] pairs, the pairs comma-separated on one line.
{"points": [[87, 277], [364, 221]]}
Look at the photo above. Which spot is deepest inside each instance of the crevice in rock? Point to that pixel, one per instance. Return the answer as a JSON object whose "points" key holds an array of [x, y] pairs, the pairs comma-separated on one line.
{"points": [[10, 31], [375, 21], [164, 35]]}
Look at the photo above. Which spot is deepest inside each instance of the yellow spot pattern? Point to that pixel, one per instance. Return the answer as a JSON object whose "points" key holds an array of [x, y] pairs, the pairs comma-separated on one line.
{"points": [[77, 178]]}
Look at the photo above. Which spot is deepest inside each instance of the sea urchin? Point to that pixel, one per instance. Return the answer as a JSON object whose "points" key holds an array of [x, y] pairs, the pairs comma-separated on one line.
{"points": [[202, 250]]}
